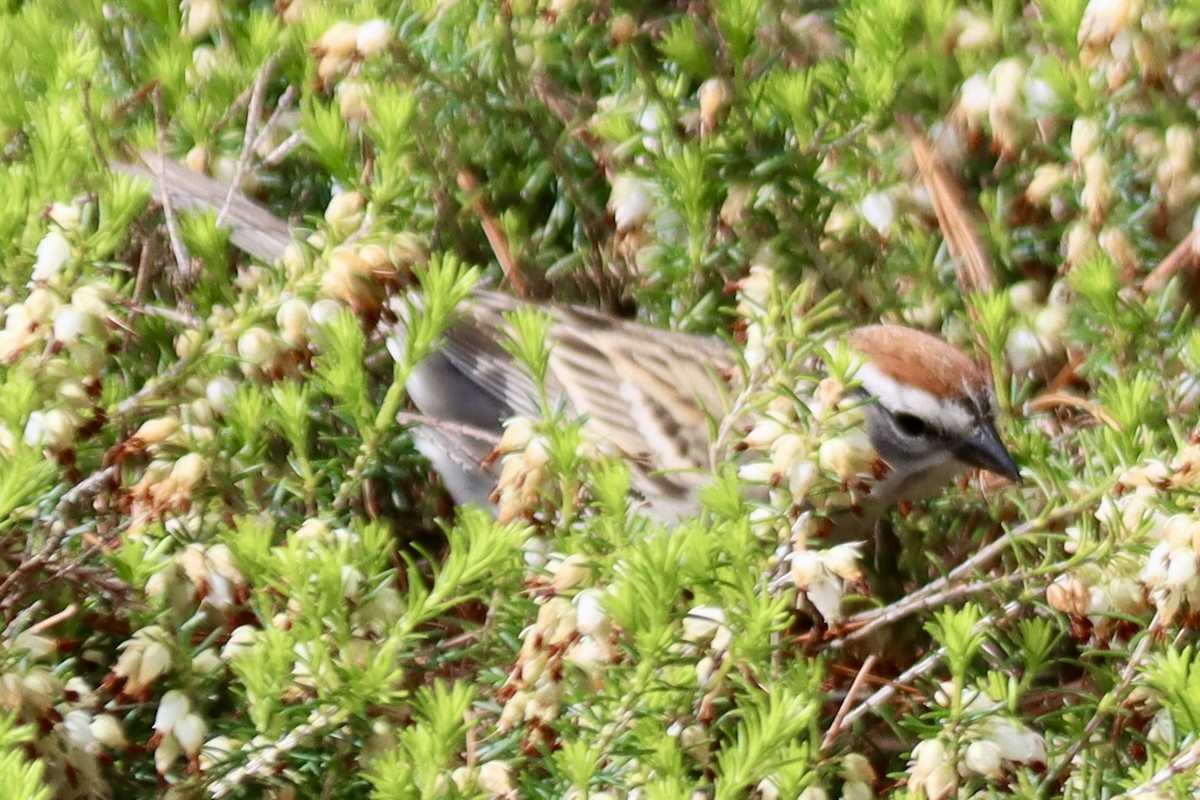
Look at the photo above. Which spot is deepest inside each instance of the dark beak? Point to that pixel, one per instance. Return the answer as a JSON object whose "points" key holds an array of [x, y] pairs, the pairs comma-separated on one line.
{"points": [[984, 449]]}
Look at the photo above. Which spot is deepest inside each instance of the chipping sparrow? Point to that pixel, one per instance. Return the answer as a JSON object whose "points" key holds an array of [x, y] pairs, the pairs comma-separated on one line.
{"points": [[650, 395]]}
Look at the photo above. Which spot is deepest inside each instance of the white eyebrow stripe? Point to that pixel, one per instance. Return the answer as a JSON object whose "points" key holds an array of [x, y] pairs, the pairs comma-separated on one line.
{"points": [[900, 398]]}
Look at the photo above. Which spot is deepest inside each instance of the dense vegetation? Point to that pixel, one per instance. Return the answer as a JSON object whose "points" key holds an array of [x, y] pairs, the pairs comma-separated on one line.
{"points": [[224, 570]]}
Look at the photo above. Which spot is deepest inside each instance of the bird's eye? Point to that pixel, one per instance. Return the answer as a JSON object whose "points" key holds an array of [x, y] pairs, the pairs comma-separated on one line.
{"points": [[911, 425]]}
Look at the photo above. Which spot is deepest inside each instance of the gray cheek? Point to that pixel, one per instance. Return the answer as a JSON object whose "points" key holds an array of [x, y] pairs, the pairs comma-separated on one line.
{"points": [[885, 438]]}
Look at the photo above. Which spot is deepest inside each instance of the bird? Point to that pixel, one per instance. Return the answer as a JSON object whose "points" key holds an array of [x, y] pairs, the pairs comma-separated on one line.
{"points": [[650, 394]]}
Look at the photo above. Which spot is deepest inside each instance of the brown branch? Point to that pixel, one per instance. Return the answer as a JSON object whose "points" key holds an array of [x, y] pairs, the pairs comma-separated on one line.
{"points": [[183, 260], [941, 589], [495, 236], [1049, 401], [1183, 255], [258, 91], [847, 704]]}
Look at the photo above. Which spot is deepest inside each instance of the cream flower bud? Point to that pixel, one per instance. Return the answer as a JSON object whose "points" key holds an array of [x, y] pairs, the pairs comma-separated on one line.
{"points": [[157, 430], [983, 758], [171, 708], [1079, 243], [1085, 137], [203, 17], [518, 432], [323, 311], [187, 343], [405, 249], [495, 777], [714, 97], [1069, 595], [77, 725], [348, 277], [67, 216], [207, 662], [556, 621], [1117, 246], [107, 730], [1180, 143], [353, 97], [219, 392], [205, 62], [190, 731], [763, 434], [589, 653], [188, 471], [756, 471], [703, 623], [974, 31], [339, 41], [373, 36], [879, 211], [292, 319], [848, 455], [165, 754], [1097, 188], [856, 767], [788, 451], [1017, 743], [1047, 180], [974, 100], [346, 212], [843, 560], [631, 201], [1181, 568], [801, 479], [241, 640], [53, 253], [257, 347], [590, 616], [196, 159], [569, 573], [53, 429], [1024, 350], [705, 668], [216, 751], [41, 305], [927, 756], [513, 712], [1050, 325]]}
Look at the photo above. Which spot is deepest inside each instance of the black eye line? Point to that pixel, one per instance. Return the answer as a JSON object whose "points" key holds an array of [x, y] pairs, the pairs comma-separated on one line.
{"points": [[912, 425]]}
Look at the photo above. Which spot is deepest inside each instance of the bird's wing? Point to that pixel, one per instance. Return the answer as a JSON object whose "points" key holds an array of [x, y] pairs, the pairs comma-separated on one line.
{"points": [[648, 394]]}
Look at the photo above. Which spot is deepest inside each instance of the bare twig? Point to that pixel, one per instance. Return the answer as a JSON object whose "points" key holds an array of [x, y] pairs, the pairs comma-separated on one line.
{"points": [[258, 91], [920, 669], [285, 104], [1186, 761], [285, 147], [1183, 254], [8, 596], [182, 259], [1051, 400], [1118, 694], [495, 236], [928, 594], [848, 703], [54, 619]]}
